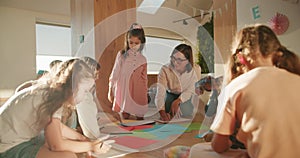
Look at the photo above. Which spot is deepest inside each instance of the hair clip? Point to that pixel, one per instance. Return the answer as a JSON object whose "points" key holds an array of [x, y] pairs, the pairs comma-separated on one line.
{"points": [[137, 26], [241, 59]]}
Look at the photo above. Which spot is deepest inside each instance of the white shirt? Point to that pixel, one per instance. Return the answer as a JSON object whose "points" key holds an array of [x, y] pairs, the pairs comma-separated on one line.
{"points": [[170, 80], [18, 116], [266, 103]]}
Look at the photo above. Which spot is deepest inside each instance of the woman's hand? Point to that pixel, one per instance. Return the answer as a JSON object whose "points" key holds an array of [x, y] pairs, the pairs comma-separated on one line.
{"points": [[164, 116], [175, 109]]}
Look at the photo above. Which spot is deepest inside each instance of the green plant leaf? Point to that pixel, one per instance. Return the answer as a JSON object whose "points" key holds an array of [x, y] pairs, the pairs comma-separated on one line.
{"points": [[206, 47]]}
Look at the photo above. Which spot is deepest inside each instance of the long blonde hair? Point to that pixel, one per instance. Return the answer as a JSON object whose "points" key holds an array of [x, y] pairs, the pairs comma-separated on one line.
{"points": [[60, 87], [259, 38]]}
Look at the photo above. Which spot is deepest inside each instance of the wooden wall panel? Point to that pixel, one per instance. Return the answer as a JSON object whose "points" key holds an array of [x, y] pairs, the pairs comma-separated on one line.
{"points": [[152, 79], [225, 26]]}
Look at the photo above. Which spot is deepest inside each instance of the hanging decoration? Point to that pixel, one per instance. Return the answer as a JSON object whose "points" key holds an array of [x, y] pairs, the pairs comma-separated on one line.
{"points": [[202, 12], [196, 10], [279, 23], [184, 21]]}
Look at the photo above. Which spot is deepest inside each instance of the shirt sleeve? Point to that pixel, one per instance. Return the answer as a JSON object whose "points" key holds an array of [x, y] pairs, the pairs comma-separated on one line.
{"points": [[225, 119], [190, 90], [197, 69], [161, 89]]}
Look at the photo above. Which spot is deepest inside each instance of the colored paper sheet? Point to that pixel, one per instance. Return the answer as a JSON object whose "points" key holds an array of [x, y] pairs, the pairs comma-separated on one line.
{"points": [[137, 123], [146, 135], [114, 130], [192, 126], [202, 135], [160, 135], [140, 127], [164, 131], [133, 142], [174, 120]]}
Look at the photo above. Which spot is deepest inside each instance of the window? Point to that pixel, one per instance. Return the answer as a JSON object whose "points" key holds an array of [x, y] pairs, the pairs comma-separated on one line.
{"points": [[158, 51], [53, 42]]}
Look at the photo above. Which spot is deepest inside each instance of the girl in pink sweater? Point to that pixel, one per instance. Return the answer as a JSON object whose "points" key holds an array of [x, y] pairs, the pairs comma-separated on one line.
{"points": [[128, 80]]}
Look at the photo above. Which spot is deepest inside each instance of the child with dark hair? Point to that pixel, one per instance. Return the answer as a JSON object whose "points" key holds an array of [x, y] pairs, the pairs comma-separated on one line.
{"points": [[128, 80]]}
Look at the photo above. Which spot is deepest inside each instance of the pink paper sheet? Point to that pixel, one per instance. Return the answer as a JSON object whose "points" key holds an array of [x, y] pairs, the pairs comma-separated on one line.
{"points": [[133, 142]]}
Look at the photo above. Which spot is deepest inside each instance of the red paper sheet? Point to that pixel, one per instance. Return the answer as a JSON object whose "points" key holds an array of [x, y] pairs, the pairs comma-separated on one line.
{"points": [[131, 128]]}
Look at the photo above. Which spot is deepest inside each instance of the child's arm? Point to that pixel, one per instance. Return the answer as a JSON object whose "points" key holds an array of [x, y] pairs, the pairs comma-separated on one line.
{"points": [[70, 133], [220, 143], [56, 141]]}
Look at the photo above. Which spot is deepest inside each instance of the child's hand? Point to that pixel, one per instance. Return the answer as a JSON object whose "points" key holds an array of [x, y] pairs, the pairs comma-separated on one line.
{"points": [[102, 145], [83, 138], [116, 116], [110, 96]]}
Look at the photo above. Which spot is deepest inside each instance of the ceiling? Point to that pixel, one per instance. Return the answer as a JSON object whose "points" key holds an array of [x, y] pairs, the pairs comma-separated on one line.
{"points": [[188, 8], [62, 7], [177, 10]]}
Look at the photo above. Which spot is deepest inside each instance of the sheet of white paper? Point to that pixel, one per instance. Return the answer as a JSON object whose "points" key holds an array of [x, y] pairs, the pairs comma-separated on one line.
{"points": [[138, 123], [114, 129], [174, 120]]}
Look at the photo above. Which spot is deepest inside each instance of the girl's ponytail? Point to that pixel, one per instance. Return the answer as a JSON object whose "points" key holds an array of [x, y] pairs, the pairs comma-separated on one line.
{"points": [[287, 60]]}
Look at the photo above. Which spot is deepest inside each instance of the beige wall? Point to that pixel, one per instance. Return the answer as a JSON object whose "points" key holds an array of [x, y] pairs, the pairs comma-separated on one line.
{"points": [[267, 9], [18, 45]]}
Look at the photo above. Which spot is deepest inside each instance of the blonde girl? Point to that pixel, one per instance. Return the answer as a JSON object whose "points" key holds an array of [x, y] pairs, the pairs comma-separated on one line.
{"points": [[30, 120], [260, 103]]}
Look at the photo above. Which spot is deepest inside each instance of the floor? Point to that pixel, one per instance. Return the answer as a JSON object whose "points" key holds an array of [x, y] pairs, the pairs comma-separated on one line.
{"points": [[186, 139]]}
